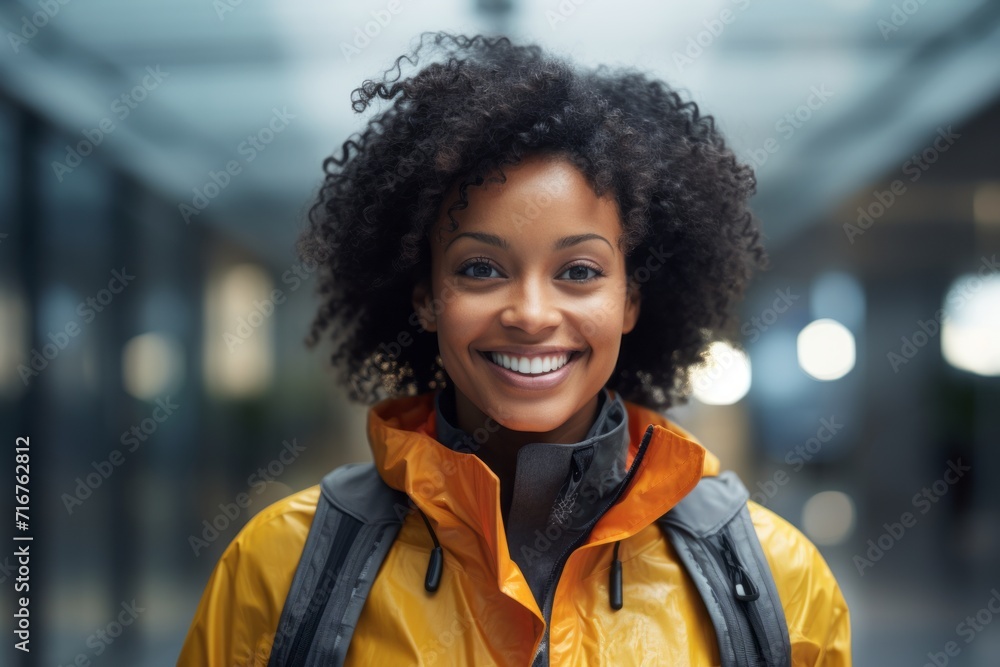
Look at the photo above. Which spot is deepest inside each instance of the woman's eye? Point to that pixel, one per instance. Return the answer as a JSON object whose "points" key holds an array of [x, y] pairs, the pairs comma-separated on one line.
{"points": [[479, 270], [482, 269], [579, 273]]}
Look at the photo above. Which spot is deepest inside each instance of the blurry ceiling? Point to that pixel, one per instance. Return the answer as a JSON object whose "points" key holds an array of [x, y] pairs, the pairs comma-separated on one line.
{"points": [[882, 78]]}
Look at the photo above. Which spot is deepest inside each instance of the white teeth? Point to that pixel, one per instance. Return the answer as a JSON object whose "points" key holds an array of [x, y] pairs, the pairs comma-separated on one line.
{"points": [[532, 365]]}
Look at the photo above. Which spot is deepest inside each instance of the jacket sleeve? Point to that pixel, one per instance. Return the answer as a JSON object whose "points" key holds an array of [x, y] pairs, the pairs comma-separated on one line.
{"points": [[239, 610], [819, 625]]}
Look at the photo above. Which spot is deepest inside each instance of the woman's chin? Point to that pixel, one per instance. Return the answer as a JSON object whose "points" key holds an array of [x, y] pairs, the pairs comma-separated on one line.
{"points": [[532, 418]]}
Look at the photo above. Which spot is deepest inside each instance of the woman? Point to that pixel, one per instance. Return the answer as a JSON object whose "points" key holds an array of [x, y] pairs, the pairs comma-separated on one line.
{"points": [[520, 260]]}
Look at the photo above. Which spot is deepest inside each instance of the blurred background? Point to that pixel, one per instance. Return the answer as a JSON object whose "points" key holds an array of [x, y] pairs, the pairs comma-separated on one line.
{"points": [[156, 163]]}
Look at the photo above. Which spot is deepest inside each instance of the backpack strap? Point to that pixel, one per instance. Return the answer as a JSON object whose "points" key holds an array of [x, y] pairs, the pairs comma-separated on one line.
{"points": [[714, 537], [357, 518]]}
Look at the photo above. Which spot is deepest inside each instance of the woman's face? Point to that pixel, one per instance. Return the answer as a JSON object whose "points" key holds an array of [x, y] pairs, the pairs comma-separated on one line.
{"points": [[532, 279]]}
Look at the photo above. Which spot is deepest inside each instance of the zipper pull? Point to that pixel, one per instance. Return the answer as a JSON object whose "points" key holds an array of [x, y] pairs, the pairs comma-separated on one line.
{"points": [[435, 565], [745, 589], [615, 584], [434, 568]]}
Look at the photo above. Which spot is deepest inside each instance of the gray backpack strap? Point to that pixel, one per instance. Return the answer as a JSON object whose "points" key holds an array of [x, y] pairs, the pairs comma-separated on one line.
{"points": [[714, 537], [357, 518]]}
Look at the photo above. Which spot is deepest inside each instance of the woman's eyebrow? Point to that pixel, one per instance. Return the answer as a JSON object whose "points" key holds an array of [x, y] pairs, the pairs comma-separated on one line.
{"points": [[479, 236], [562, 243], [568, 241]]}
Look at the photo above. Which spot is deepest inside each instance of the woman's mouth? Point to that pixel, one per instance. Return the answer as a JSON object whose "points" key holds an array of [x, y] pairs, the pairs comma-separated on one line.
{"points": [[536, 365], [542, 371]]}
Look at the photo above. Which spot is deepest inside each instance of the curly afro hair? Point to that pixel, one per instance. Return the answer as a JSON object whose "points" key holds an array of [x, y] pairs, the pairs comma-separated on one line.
{"points": [[488, 103]]}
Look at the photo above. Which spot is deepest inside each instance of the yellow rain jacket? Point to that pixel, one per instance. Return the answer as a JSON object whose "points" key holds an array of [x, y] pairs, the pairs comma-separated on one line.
{"points": [[484, 612]]}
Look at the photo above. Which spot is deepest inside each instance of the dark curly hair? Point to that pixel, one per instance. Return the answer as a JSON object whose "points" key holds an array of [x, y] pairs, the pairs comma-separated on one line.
{"points": [[489, 103]]}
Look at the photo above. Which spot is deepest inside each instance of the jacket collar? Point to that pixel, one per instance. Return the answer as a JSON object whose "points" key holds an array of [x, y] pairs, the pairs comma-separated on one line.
{"points": [[559, 489], [460, 495]]}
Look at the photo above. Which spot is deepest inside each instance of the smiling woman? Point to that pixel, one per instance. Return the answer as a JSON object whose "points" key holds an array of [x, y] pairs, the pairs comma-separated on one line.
{"points": [[557, 288], [545, 293], [525, 255]]}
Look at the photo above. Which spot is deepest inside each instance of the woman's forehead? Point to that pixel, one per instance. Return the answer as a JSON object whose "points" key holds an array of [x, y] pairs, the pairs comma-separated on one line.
{"points": [[542, 197]]}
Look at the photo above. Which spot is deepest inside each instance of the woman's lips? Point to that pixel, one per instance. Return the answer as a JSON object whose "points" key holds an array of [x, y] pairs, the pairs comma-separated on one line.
{"points": [[533, 382]]}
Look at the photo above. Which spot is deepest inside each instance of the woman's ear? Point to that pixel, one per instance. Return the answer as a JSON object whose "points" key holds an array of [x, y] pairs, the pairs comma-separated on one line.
{"points": [[633, 299], [422, 306]]}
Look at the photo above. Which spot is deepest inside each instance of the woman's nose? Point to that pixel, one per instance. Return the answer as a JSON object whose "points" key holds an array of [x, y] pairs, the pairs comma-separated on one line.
{"points": [[532, 306]]}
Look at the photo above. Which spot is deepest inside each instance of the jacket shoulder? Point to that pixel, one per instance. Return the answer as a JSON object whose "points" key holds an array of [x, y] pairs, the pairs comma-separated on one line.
{"points": [[242, 602], [815, 610]]}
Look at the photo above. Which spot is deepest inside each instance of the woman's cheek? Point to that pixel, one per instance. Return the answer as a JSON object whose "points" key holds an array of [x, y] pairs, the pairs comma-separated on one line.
{"points": [[460, 315], [599, 319]]}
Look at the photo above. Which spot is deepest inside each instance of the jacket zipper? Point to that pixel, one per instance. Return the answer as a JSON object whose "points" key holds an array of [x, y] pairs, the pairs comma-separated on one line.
{"points": [[747, 597], [342, 542], [557, 571], [740, 613]]}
